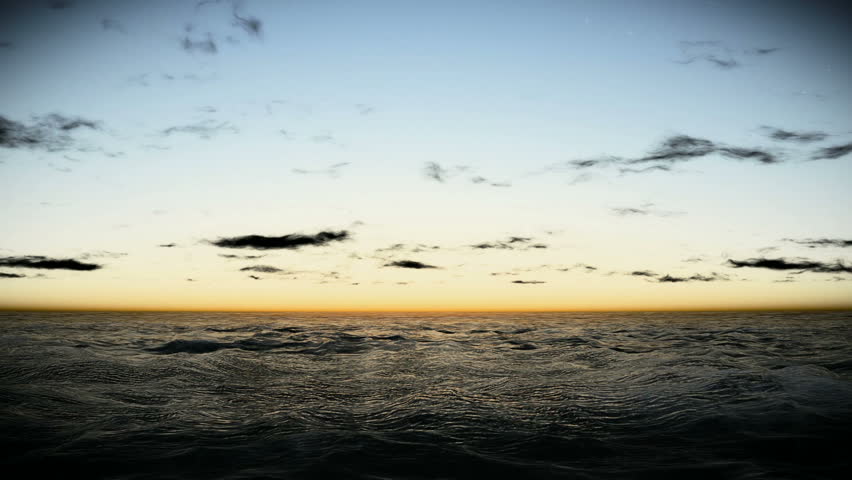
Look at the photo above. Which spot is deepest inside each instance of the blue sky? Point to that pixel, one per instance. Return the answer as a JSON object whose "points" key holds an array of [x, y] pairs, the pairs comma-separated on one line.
{"points": [[328, 116]]}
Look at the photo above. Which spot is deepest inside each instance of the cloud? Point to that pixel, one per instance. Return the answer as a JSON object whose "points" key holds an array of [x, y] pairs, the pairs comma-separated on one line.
{"points": [[717, 53], [49, 132], [333, 171], [168, 245], [643, 273], [586, 268], [254, 277], [112, 24], [822, 242], [261, 269], [11, 275], [287, 242], [652, 168], [409, 264], [738, 153], [527, 282], [644, 209], [435, 172], [512, 243], [203, 129], [830, 153], [802, 265], [482, 180], [207, 45], [694, 278], [364, 109], [679, 148], [240, 257], [401, 247], [40, 262], [762, 51], [251, 25], [801, 137]]}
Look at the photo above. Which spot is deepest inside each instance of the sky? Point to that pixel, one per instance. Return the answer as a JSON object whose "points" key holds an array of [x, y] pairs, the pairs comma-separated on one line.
{"points": [[441, 155]]}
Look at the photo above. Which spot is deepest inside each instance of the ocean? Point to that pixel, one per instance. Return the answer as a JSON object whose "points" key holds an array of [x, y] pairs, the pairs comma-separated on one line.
{"points": [[427, 396]]}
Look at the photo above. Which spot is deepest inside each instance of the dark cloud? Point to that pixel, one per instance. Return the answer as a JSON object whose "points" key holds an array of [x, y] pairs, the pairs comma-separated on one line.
{"points": [[409, 264], [584, 267], [801, 137], [511, 243], [11, 275], [761, 156], [643, 273], [49, 132], [203, 129], [254, 277], [251, 25], [527, 282], [679, 148], [762, 51], [822, 242], [168, 245], [830, 153], [288, 242], [261, 269], [45, 263], [207, 45], [694, 278], [112, 24], [801, 265], [435, 172], [240, 257]]}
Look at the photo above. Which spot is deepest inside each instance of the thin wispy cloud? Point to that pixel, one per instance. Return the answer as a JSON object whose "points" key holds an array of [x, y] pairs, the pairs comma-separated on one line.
{"points": [[646, 209], [511, 243], [822, 242], [332, 171], [718, 54], [292, 241], [11, 275], [791, 136], [205, 129], [831, 153], [528, 282]]}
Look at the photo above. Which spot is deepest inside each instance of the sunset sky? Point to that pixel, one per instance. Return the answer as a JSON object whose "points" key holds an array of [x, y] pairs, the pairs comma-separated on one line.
{"points": [[476, 155]]}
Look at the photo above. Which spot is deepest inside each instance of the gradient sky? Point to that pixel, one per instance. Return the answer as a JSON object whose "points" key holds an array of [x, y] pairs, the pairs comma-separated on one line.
{"points": [[331, 114]]}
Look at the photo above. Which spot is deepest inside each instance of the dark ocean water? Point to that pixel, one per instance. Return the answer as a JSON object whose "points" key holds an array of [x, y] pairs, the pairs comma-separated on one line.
{"points": [[734, 395]]}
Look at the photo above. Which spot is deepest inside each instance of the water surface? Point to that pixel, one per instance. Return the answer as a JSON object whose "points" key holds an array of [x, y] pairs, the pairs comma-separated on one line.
{"points": [[622, 396]]}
